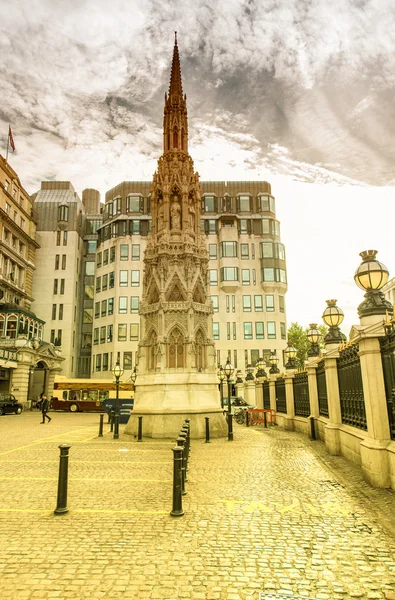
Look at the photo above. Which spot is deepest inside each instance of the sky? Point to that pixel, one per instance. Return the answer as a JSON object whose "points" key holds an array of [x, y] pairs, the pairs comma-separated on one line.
{"points": [[299, 93]]}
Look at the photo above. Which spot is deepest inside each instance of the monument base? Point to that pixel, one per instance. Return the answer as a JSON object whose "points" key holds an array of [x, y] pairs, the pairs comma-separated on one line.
{"points": [[165, 400]]}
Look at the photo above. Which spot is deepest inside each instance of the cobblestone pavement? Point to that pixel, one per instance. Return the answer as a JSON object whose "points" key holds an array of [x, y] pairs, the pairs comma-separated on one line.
{"points": [[269, 515]]}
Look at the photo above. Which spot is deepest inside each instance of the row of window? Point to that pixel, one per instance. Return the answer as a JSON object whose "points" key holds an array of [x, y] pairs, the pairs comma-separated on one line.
{"points": [[16, 195], [251, 357], [105, 334], [269, 227], [134, 204], [232, 274], [107, 281], [246, 302], [58, 312], [103, 258], [9, 213], [231, 249], [106, 307], [103, 362], [57, 261], [242, 203], [61, 236], [13, 241], [121, 228], [248, 330], [58, 287]]}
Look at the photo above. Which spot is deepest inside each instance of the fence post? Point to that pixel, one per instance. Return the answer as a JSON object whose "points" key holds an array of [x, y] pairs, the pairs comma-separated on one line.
{"points": [[140, 430], [207, 430], [289, 398], [101, 425], [177, 482], [61, 506]]}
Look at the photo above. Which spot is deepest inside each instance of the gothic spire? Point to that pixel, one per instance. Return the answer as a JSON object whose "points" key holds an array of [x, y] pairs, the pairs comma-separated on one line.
{"points": [[175, 121], [175, 87]]}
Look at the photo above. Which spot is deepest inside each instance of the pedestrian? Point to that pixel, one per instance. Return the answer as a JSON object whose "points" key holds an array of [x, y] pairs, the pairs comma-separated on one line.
{"points": [[44, 409]]}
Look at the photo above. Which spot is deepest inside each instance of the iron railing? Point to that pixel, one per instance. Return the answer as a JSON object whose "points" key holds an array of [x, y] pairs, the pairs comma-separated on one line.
{"points": [[301, 395], [281, 403], [266, 395], [387, 346], [352, 402], [323, 409]]}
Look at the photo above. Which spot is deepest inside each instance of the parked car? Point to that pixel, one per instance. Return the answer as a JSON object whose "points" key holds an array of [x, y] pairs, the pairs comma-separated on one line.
{"points": [[9, 404]]}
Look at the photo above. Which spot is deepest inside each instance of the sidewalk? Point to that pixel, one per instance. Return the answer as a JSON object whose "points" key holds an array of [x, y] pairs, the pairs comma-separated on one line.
{"points": [[270, 512]]}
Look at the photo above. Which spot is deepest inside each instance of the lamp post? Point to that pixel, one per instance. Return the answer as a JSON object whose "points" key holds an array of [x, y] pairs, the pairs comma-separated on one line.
{"points": [[117, 371], [228, 369], [371, 276], [261, 376], [290, 352], [333, 316], [314, 336], [221, 376], [133, 378], [274, 360]]}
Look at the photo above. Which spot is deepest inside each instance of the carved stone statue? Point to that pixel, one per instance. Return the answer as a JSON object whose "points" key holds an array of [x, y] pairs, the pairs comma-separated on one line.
{"points": [[160, 218], [175, 215]]}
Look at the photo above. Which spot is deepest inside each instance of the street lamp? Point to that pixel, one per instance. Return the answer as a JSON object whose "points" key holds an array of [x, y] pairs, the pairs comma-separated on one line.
{"points": [[228, 373], [274, 360], [314, 336], [371, 276], [290, 352], [261, 376], [117, 371], [221, 376], [250, 370], [333, 316]]}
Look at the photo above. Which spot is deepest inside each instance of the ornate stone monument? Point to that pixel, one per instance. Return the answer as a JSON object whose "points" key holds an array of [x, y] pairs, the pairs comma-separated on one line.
{"points": [[176, 356]]}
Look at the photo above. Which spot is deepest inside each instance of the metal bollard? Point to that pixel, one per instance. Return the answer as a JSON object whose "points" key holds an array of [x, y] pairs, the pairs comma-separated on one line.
{"points": [[247, 418], [177, 482], [230, 427], [61, 506], [112, 414], [181, 442], [116, 427], [265, 419], [312, 428], [207, 430], [140, 430], [101, 425], [109, 417], [185, 429]]}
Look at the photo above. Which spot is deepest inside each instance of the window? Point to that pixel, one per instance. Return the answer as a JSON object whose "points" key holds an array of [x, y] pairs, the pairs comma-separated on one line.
{"points": [[243, 203], [135, 227], [55, 286], [283, 331], [134, 332], [134, 305], [269, 299], [112, 254], [110, 208], [127, 360], [134, 204], [88, 316], [212, 226], [59, 337], [58, 234], [281, 303], [247, 331], [111, 278], [63, 213], [105, 257], [104, 282], [234, 331], [98, 362], [57, 257], [60, 316], [135, 278], [7, 208], [98, 284], [6, 185], [271, 330], [63, 261], [243, 226], [245, 277], [267, 274], [229, 274], [209, 204], [227, 304], [215, 301], [258, 304], [228, 249], [124, 252], [110, 306], [52, 339], [135, 251], [228, 331], [279, 251], [253, 276], [53, 312], [96, 335], [103, 334], [213, 276], [213, 251], [244, 251], [62, 286], [105, 361], [97, 310], [266, 250], [109, 333], [104, 308], [65, 238], [123, 278], [123, 305], [215, 331], [233, 303], [259, 330], [246, 303], [89, 267], [122, 332]]}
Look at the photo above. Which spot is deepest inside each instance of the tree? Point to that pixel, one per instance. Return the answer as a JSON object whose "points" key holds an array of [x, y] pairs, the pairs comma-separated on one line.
{"points": [[297, 337]]}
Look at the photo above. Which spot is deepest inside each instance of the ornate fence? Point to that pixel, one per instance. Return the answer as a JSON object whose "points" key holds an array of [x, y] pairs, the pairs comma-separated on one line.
{"points": [[281, 403], [387, 346], [301, 395], [352, 401], [266, 395], [321, 388]]}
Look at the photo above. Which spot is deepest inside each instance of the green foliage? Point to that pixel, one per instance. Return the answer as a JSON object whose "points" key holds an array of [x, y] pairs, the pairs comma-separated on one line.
{"points": [[297, 337]]}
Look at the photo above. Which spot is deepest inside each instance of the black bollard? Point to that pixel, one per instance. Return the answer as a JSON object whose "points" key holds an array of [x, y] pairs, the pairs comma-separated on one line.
{"points": [[185, 429], [264, 419], [101, 425], [177, 482], [230, 427], [207, 430], [112, 414], [312, 428], [181, 442], [108, 417], [116, 427], [140, 430], [247, 418], [61, 506]]}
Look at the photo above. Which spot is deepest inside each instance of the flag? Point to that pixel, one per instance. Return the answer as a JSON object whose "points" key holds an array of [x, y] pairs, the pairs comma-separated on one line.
{"points": [[11, 139]]}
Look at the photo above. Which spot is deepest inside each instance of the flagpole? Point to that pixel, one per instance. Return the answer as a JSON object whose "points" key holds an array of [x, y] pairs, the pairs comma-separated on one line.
{"points": [[8, 143]]}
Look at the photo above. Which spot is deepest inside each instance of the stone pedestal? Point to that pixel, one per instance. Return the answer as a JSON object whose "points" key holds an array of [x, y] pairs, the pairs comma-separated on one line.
{"points": [[332, 429], [249, 392], [289, 396]]}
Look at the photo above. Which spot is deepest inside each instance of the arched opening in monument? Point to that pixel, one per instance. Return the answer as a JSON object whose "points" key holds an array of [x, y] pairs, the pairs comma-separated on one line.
{"points": [[175, 138], [176, 349]]}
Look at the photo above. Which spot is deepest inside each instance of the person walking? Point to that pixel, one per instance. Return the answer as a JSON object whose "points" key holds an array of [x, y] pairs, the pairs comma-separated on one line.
{"points": [[44, 409]]}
